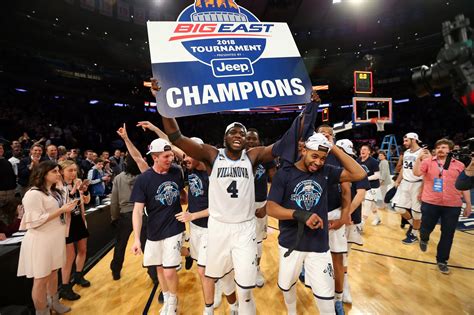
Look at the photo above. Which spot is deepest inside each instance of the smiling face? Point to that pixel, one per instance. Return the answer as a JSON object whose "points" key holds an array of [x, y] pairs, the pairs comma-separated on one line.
{"points": [[234, 139], [252, 139], [364, 152], [313, 160]]}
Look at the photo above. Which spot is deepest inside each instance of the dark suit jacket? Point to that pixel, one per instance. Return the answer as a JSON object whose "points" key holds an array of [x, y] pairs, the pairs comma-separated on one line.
{"points": [[24, 171]]}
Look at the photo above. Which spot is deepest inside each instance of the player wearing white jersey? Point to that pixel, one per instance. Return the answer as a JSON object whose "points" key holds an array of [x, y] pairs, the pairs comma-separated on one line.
{"points": [[232, 242], [409, 187]]}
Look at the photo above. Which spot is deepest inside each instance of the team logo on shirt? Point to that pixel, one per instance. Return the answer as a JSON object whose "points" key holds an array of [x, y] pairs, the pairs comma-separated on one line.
{"points": [[195, 185], [307, 194], [365, 168], [167, 193], [259, 172]]}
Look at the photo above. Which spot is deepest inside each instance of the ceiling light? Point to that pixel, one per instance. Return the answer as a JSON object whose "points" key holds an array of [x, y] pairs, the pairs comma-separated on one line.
{"points": [[336, 1]]}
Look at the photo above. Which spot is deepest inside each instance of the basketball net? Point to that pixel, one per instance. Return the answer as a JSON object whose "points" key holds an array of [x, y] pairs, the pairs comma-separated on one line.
{"points": [[380, 123]]}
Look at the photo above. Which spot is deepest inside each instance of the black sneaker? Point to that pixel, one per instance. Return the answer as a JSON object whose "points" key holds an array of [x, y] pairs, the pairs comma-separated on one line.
{"points": [[116, 275], [66, 292], [161, 298], [443, 268], [79, 279], [189, 262], [423, 245]]}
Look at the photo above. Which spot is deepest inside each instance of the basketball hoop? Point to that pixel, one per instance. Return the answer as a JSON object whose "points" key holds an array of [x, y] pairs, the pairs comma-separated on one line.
{"points": [[380, 123]]}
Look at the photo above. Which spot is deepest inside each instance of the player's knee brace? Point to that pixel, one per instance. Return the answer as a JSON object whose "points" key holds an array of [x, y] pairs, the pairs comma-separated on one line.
{"points": [[325, 306], [416, 215], [290, 295]]}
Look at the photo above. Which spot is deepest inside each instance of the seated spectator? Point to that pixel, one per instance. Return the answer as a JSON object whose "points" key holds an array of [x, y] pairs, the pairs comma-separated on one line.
{"points": [[87, 163], [7, 179], [10, 218]]}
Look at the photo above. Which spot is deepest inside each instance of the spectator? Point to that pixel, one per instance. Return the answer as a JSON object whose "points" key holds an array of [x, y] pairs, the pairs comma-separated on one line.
{"points": [[16, 156], [10, 218], [52, 153], [121, 212], [116, 162], [385, 177], [97, 179], [77, 236], [7, 179], [87, 163], [440, 199], [43, 248], [62, 153], [26, 166]]}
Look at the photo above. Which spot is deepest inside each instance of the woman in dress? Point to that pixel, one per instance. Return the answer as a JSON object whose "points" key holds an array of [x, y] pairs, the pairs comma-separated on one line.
{"points": [[74, 188], [43, 250]]}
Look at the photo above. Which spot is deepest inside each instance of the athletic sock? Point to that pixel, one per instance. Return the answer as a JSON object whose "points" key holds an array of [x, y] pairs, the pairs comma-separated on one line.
{"points": [[338, 296]]}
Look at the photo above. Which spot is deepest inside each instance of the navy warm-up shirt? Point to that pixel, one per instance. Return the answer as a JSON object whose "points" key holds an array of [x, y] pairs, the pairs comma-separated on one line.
{"points": [[161, 195], [356, 216], [370, 166], [295, 189], [261, 181], [334, 193], [198, 194]]}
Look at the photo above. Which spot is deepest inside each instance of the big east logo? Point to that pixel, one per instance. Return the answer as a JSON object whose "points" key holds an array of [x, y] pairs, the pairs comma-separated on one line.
{"points": [[218, 56], [222, 35]]}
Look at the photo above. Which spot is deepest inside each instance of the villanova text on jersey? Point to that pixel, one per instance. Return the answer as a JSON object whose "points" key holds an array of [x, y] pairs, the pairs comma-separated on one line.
{"points": [[232, 172]]}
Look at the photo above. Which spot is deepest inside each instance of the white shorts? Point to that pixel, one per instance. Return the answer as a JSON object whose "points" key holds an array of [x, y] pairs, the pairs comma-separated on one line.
{"points": [[319, 274], [261, 224], [371, 194], [337, 238], [232, 246], [165, 253], [354, 234], [406, 196], [198, 244]]}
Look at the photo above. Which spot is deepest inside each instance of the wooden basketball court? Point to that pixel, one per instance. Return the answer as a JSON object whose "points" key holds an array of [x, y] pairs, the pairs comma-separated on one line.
{"points": [[386, 277]]}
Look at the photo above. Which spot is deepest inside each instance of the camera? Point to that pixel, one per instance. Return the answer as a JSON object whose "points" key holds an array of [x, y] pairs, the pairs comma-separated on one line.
{"points": [[465, 153], [454, 64]]}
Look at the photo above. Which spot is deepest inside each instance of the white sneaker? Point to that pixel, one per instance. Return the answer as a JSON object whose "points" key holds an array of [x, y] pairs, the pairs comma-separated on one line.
{"points": [[376, 221], [172, 308], [210, 312], [164, 309], [260, 279], [217, 294]]}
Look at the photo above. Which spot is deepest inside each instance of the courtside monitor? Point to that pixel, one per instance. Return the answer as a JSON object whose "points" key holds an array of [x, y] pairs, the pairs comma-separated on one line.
{"points": [[368, 109]]}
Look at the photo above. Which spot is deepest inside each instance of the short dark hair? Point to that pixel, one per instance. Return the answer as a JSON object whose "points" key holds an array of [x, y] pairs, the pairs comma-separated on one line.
{"points": [[99, 160], [448, 142], [252, 130], [383, 153]]}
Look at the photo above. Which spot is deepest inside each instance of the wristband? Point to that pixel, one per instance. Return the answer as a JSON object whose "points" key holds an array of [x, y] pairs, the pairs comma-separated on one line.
{"points": [[174, 136], [301, 216]]}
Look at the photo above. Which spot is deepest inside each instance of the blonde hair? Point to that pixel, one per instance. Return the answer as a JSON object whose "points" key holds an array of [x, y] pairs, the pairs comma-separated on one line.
{"points": [[66, 163]]}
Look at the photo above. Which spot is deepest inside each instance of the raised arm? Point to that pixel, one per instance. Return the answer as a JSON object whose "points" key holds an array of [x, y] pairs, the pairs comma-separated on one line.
{"points": [[132, 149], [201, 152], [148, 125]]}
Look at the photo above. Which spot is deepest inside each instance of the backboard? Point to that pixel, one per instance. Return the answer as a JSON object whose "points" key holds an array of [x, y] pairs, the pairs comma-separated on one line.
{"points": [[365, 109]]}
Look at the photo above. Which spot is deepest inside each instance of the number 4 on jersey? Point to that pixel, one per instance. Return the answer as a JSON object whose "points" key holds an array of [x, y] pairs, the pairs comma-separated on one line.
{"points": [[232, 189]]}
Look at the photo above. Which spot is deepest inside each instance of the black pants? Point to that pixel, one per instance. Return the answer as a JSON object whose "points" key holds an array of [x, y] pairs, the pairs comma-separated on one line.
{"points": [[449, 219], [124, 229]]}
